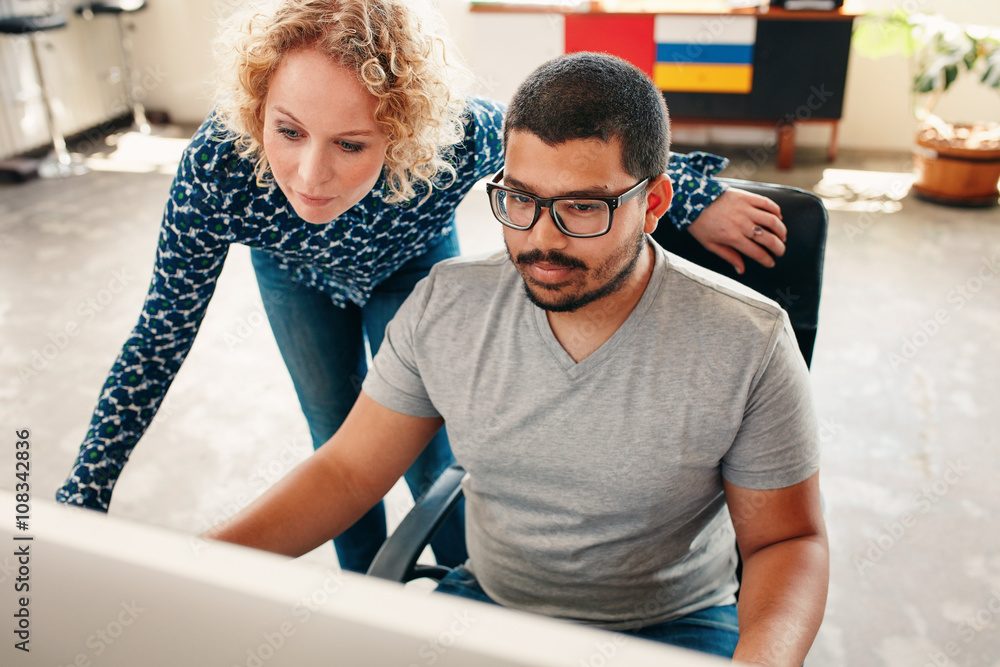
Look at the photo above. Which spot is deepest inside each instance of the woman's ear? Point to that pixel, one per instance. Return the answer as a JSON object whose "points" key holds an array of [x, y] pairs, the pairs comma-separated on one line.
{"points": [[658, 195]]}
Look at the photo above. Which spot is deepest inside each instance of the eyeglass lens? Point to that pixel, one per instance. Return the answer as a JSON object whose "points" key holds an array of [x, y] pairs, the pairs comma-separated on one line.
{"points": [[578, 216]]}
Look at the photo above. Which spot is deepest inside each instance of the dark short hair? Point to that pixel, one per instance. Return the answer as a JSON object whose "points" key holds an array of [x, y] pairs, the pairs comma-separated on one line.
{"points": [[586, 95]]}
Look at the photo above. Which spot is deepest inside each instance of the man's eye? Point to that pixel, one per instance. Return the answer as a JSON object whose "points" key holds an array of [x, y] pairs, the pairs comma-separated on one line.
{"points": [[581, 207], [520, 199]]}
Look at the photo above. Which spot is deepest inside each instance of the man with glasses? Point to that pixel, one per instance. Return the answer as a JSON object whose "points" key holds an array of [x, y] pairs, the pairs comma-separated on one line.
{"points": [[625, 417]]}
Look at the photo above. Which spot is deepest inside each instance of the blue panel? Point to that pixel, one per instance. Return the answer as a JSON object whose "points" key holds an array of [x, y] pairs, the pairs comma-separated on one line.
{"points": [[728, 54]]}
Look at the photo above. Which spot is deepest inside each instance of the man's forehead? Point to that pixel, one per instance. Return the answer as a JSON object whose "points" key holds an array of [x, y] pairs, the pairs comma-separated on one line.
{"points": [[590, 164], [520, 139]]}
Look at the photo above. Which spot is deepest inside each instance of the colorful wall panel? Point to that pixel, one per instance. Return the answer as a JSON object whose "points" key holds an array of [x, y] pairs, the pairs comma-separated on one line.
{"points": [[704, 54], [681, 53], [628, 36]]}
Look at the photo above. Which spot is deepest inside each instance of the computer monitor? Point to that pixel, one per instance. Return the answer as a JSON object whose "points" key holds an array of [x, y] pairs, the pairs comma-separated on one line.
{"points": [[85, 589]]}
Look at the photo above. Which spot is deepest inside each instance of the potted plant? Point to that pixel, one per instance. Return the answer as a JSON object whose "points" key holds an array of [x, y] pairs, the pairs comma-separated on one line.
{"points": [[956, 163]]}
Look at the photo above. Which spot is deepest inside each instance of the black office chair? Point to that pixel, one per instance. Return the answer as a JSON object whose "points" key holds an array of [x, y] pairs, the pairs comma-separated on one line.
{"points": [[794, 283]]}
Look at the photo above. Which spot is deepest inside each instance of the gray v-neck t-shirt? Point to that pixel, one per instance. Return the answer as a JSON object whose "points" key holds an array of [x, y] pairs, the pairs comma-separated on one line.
{"points": [[594, 489]]}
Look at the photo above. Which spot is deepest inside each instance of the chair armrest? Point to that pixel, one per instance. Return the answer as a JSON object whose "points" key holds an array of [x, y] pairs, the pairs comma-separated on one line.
{"points": [[397, 559]]}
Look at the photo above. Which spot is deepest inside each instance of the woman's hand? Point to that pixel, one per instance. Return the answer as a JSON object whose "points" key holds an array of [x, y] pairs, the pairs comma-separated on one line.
{"points": [[741, 223]]}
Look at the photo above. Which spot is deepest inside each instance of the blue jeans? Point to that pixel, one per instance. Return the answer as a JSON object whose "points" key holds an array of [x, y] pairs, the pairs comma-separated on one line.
{"points": [[323, 348], [714, 630]]}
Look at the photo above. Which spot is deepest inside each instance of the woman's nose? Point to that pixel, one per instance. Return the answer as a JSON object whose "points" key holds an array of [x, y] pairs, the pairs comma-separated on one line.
{"points": [[316, 166]]}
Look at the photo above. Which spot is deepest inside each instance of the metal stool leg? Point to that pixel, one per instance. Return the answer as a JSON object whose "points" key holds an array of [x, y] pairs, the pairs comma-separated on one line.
{"points": [[61, 163], [131, 84]]}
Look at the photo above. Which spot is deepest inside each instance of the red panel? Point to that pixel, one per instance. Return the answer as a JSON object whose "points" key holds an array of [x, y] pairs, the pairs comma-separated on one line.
{"points": [[628, 37]]}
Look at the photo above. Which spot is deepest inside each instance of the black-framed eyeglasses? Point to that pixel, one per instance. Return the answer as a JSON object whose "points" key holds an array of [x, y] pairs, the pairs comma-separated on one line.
{"points": [[579, 217]]}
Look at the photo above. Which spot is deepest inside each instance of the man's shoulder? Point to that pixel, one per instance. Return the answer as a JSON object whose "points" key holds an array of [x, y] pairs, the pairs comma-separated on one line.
{"points": [[701, 283], [462, 287], [471, 270]]}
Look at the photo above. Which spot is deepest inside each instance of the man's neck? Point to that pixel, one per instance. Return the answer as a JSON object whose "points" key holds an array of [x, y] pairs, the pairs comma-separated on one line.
{"points": [[583, 331]]}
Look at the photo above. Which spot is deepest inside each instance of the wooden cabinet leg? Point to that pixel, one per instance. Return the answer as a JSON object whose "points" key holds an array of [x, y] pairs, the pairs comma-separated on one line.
{"points": [[831, 151], [786, 145]]}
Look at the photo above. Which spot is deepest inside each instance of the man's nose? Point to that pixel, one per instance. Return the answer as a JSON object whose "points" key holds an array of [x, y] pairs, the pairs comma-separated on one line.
{"points": [[545, 234]]}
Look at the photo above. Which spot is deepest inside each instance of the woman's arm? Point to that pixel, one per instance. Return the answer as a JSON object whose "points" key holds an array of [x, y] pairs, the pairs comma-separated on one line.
{"points": [[727, 221], [741, 222], [189, 259]]}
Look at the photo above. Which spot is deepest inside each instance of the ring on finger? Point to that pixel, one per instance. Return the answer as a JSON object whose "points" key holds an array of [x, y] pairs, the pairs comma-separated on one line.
{"points": [[757, 230]]}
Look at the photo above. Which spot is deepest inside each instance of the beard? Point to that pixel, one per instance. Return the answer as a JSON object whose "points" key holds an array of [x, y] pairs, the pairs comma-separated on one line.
{"points": [[612, 275]]}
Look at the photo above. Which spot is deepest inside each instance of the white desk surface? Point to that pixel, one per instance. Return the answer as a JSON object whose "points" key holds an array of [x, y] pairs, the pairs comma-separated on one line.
{"points": [[106, 592]]}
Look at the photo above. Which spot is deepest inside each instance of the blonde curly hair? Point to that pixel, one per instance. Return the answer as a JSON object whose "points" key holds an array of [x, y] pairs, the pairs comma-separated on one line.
{"points": [[399, 56]]}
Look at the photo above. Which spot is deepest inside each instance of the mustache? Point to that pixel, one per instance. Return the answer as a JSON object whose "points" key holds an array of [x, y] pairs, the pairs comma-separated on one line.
{"points": [[551, 257]]}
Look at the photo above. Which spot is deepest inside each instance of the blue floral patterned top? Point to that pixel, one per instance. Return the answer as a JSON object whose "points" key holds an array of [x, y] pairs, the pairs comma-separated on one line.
{"points": [[215, 202]]}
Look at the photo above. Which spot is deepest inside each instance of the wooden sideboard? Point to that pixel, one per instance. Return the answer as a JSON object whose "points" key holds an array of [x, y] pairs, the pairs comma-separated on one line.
{"points": [[765, 67]]}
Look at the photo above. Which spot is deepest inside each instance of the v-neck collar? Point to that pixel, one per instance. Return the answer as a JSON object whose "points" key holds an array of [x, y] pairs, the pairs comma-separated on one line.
{"points": [[619, 338]]}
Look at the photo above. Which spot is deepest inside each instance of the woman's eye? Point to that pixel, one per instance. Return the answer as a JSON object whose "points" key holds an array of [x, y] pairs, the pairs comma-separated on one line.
{"points": [[349, 147], [288, 133]]}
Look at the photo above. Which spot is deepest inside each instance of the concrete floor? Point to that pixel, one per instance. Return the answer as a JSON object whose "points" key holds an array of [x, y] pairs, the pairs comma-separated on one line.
{"points": [[906, 375]]}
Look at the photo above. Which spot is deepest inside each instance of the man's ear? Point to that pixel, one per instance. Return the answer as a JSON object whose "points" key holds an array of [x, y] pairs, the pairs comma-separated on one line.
{"points": [[658, 195]]}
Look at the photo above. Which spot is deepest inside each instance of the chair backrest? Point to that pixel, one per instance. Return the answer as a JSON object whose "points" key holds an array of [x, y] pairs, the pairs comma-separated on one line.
{"points": [[796, 279]]}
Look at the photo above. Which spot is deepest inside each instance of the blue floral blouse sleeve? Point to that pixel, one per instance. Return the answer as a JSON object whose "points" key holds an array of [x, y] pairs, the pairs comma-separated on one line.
{"points": [[189, 257], [213, 203], [694, 186]]}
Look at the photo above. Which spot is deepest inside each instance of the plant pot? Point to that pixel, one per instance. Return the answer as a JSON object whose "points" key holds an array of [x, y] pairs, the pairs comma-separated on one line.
{"points": [[959, 170]]}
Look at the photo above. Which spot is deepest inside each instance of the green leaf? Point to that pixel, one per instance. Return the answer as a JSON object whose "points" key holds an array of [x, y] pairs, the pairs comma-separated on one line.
{"points": [[991, 77], [950, 74], [924, 84], [878, 35], [971, 55]]}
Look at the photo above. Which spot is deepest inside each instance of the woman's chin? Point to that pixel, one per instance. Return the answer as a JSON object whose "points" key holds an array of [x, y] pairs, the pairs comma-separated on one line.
{"points": [[318, 215]]}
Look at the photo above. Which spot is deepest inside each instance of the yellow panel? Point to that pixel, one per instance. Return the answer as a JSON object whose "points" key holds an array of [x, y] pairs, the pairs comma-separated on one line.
{"points": [[690, 78]]}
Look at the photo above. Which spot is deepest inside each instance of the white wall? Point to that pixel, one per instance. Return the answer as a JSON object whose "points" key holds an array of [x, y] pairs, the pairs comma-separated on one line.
{"points": [[175, 39]]}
